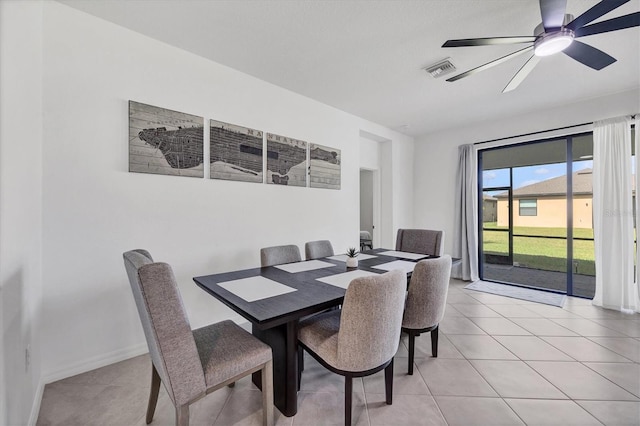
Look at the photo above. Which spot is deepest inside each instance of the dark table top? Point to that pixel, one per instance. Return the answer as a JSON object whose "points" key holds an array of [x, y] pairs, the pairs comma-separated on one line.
{"points": [[311, 295]]}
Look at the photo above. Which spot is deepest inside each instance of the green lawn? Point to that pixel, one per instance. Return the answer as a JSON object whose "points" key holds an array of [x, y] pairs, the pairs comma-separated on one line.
{"points": [[542, 253]]}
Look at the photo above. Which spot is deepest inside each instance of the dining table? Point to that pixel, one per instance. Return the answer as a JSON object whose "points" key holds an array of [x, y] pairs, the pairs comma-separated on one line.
{"points": [[274, 299]]}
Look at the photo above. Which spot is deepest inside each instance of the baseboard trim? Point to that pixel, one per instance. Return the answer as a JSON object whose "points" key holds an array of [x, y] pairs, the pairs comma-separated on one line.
{"points": [[94, 362], [35, 407], [79, 368]]}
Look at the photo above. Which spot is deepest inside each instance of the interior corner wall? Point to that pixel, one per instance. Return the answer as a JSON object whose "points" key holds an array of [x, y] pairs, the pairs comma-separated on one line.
{"points": [[20, 209], [436, 155], [387, 211], [94, 209], [403, 187]]}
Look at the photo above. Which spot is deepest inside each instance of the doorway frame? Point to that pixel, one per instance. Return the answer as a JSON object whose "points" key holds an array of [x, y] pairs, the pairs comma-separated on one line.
{"points": [[376, 237]]}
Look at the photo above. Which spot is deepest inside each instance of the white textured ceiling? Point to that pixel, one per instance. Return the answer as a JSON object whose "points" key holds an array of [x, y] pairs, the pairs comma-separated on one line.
{"points": [[367, 57]]}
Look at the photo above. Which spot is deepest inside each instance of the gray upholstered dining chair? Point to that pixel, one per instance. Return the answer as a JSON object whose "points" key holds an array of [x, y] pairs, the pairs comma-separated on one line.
{"points": [[318, 249], [423, 241], [277, 255], [426, 302], [191, 363], [363, 337]]}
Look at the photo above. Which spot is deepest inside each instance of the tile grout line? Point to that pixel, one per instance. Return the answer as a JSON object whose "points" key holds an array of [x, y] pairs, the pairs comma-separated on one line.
{"points": [[608, 379]]}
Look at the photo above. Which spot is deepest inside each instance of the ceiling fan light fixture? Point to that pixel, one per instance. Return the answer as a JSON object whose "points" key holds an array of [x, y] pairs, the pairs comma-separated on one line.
{"points": [[552, 43]]}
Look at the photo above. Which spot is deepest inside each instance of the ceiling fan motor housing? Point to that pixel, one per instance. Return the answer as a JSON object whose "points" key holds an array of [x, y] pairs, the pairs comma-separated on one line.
{"points": [[539, 30], [553, 40]]}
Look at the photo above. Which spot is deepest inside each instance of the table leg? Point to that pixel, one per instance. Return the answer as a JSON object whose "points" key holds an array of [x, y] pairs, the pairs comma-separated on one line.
{"points": [[283, 340]]}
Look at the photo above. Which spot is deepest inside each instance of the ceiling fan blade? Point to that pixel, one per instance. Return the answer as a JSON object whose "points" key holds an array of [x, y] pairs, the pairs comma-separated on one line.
{"points": [[552, 12], [619, 23], [522, 73], [490, 64], [589, 55], [489, 41], [594, 13]]}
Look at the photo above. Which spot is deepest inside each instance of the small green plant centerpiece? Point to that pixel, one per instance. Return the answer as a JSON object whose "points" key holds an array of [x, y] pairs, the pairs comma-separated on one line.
{"points": [[352, 253]]}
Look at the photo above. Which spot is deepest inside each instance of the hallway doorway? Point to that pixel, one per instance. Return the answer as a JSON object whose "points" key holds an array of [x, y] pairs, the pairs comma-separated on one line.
{"points": [[369, 202]]}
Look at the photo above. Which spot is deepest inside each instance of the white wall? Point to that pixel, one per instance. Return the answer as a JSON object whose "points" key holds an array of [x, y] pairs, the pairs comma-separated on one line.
{"points": [[20, 207], [369, 154], [402, 155], [94, 209], [436, 155]]}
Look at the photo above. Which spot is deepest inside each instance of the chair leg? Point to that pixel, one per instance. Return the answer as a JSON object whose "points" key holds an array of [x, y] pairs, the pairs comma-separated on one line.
{"points": [[300, 365], [434, 341], [348, 394], [182, 415], [412, 350], [153, 395], [388, 383], [267, 394]]}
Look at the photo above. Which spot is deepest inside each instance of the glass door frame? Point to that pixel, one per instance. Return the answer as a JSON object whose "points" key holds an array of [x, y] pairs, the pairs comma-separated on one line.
{"points": [[569, 210], [510, 224]]}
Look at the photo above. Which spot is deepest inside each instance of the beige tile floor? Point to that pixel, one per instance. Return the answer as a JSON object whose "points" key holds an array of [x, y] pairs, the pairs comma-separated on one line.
{"points": [[501, 362]]}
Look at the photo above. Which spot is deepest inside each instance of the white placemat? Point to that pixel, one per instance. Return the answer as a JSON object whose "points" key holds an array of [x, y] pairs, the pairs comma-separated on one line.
{"points": [[403, 254], [309, 265], [343, 280], [401, 265], [343, 257], [255, 288]]}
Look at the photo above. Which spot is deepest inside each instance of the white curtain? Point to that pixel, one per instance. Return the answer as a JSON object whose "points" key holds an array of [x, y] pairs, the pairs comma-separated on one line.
{"points": [[613, 216], [465, 243]]}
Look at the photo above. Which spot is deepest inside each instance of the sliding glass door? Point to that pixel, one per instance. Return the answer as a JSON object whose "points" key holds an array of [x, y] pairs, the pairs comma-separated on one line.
{"points": [[583, 265], [536, 226]]}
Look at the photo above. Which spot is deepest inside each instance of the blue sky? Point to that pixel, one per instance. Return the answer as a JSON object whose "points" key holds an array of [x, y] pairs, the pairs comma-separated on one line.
{"points": [[523, 176]]}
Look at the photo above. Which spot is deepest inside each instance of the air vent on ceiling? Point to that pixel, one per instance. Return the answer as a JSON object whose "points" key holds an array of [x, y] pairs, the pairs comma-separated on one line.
{"points": [[443, 67]]}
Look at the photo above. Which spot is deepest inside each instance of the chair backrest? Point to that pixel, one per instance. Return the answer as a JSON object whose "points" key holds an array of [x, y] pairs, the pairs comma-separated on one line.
{"points": [[278, 255], [370, 321], [365, 235], [424, 241], [318, 249], [427, 296], [166, 326]]}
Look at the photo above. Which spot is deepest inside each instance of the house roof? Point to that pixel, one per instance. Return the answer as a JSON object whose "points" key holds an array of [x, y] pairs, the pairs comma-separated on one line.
{"points": [[582, 185]]}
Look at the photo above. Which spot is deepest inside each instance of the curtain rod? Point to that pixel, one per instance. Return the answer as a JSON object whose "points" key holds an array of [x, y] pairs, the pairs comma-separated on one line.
{"points": [[534, 133], [633, 116]]}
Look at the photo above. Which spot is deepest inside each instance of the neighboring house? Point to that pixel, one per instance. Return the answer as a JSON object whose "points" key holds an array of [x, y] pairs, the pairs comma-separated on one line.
{"points": [[544, 204], [489, 208]]}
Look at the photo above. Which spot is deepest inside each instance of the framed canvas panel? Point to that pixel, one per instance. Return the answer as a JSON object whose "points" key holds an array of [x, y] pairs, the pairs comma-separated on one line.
{"points": [[324, 167], [286, 161], [236, 152], [165, 142]]}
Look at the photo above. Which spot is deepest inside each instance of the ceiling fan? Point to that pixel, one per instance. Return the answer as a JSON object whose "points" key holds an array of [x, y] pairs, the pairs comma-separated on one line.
{"points": [[557, 33]]}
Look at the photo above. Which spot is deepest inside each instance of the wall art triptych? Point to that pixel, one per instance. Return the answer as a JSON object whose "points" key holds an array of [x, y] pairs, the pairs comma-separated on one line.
{"points": [[324, 167], [167, 142], [236, 152], [286, 161]]}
